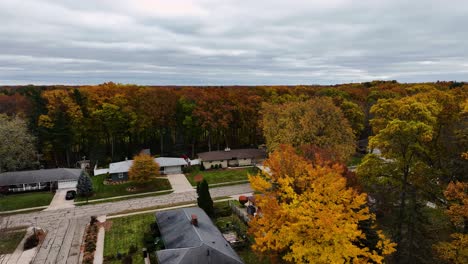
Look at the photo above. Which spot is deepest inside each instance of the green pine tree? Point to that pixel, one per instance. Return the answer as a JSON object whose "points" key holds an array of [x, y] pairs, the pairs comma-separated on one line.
{"points": [[204, 198], [85, 185]]}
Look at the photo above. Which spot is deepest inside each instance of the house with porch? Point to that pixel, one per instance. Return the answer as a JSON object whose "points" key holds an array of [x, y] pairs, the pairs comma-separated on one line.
{"points": [[232, 157], [45, 179]]}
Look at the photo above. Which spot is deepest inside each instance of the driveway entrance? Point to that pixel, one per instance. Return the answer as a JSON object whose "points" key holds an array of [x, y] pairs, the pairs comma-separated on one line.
{"points": [[59, 202]]}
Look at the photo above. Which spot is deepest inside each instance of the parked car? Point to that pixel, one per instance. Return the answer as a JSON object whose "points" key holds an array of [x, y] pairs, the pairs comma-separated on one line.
{"points": [[70, 195]]}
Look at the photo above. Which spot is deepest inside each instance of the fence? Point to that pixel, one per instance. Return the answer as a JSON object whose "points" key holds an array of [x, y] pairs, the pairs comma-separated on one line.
{"points": [[239, 212]]}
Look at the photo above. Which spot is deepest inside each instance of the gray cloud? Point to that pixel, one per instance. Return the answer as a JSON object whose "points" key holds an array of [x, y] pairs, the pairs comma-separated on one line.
{"points": [[211, 42]]}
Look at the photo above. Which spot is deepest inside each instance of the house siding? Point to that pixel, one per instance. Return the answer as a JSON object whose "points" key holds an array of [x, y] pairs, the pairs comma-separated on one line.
{"points": [[118, 177], [223, 163]]}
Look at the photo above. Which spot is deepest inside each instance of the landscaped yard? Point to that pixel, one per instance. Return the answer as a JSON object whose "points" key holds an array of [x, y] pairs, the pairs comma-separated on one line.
{"points": [[24, 200], [124, 233], [105, 191], [222, 175], [10, 240]]}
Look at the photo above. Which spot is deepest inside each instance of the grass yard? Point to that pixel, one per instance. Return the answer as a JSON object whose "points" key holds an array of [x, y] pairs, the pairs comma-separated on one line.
{"points": [[222, 175], [10, 240], [106, 191], [125, 232], [24, 200]]}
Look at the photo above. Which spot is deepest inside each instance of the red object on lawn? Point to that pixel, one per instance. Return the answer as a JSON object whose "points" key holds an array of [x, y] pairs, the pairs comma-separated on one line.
{"points": [[198, 178]]}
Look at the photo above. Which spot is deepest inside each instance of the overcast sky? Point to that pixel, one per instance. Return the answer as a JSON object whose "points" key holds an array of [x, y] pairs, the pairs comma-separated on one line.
{"points": [[211, 42]]}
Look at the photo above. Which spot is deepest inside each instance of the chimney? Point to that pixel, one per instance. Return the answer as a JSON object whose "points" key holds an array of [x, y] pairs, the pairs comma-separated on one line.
{"points": [[194, 220]]}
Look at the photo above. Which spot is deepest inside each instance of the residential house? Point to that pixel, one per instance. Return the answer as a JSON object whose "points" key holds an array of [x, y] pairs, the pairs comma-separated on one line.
{"points": [[232, 157], [190, 236], [45, 179], [118, 171]]}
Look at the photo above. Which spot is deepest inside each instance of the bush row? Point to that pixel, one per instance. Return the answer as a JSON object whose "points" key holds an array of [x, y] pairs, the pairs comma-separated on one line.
{"points": [[90, 241]]}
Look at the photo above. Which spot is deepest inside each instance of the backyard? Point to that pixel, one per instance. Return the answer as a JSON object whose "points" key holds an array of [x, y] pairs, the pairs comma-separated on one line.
{"points": [[105, 191], [221, 175], [9, 241], [226, 221], [24, 200], [126, 235]]}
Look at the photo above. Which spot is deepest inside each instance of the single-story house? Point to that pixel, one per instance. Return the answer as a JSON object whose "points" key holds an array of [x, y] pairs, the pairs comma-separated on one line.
{"points": [[119, 170], [232, 157], [190, 236], [20, 181]]}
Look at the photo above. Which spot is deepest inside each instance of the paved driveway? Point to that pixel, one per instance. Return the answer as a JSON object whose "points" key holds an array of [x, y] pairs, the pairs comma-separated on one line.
{"points": [[59, 201], [179, 183]]}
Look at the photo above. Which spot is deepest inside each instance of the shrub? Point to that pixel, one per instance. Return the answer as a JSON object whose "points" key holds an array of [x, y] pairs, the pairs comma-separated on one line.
{"points": [[88, 259], [31, 242], [148, 240], [132, 250], [90, 246], [155, 230], [127, 260]]}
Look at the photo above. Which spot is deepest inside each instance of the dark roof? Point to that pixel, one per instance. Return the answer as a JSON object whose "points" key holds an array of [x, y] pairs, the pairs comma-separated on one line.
{"points": [[35, 176], [233, 153], [186, 243]]}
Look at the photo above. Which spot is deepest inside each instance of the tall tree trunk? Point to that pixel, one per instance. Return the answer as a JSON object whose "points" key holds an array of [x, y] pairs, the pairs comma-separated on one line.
{"points": [[401, 217], [209, 140], [161, 137], [67, 154]]}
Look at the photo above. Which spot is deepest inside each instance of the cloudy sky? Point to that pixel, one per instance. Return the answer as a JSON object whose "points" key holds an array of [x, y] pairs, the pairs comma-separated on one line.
{"points": [[211, 42]]}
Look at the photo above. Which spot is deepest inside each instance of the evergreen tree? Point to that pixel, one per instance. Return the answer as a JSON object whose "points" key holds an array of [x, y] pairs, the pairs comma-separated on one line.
{"points": [[204, 198], [85, 185]]}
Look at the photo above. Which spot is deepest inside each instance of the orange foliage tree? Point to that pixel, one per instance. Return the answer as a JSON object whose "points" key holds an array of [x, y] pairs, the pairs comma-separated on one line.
{"points": [[309, 215], [456, 251], [143, 169]]}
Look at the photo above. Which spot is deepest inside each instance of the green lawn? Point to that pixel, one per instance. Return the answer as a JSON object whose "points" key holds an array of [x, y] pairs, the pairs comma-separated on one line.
{"points": [[10, 240], [221, 175], [106, 191], [24, 200], [125, 232]]}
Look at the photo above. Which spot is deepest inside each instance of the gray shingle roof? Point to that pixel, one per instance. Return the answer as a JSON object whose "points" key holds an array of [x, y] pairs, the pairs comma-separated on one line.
{"points": [[233, 153], [186, 243], [35, 176]]}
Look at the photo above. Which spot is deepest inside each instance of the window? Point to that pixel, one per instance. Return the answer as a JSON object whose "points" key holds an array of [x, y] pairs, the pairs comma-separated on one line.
{"points": [[121, 175]]}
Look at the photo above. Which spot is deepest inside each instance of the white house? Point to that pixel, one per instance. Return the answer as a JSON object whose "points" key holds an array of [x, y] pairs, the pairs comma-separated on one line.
{"points": [[167, 165]]}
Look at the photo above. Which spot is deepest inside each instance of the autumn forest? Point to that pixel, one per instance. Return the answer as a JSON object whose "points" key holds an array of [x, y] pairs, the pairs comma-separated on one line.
{"points": [[391, 157]]}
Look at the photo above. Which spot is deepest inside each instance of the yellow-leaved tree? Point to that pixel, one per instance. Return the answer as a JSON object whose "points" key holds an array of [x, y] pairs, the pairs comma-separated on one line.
{"points": [[456, 250], [308, 214], [144, 168]]}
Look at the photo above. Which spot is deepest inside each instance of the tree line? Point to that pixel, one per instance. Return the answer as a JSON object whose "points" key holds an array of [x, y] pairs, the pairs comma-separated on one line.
{"points": [[415, 178], [109, 122]]}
